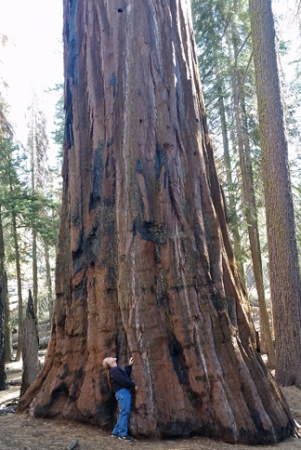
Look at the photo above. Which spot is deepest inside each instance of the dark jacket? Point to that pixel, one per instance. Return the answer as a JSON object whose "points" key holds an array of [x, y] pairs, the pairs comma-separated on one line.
{"points": [[121, 378]]}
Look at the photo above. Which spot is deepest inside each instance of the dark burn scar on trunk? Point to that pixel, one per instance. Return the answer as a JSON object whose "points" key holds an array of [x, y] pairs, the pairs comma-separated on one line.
{"points": [[97, 176], [160, 160], [176, 428], [92, 244], [79, 261], [151, 231], [219, 303], [80, 291], [61, 322], [65, 373], [110, 142], [113, 83], [139, 166], [75, 215], [45, 410], [105, 409], [111, 277], [178, 361], [78, 256], [79, 373], [177, 358]]}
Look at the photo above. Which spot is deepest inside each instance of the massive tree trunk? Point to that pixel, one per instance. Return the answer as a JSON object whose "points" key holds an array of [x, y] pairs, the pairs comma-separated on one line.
{"points": [[145, 266], [283, 255]]}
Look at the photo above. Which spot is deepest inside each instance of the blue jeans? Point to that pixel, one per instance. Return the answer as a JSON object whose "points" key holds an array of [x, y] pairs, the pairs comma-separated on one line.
{"points": [[123, 397]]}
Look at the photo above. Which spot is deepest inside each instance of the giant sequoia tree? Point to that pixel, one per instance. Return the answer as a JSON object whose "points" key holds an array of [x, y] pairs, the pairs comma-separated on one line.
{"points": [[144, 263]]}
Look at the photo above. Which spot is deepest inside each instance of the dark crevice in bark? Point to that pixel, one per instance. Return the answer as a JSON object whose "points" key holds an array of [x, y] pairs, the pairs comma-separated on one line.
{"points": [[71, 36], [69, 138], [97, 176]]}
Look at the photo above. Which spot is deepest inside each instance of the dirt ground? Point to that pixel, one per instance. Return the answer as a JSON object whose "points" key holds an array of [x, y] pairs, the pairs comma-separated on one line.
{"points": [[22, 432]]}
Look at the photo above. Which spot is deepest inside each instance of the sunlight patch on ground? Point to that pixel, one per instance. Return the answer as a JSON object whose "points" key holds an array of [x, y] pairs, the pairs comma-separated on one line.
{"points": [[14, 374], [14, 365]]}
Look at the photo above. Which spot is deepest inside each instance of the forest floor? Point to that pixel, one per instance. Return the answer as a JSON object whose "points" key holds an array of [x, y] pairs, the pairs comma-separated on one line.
{"points": [[23, 432]]}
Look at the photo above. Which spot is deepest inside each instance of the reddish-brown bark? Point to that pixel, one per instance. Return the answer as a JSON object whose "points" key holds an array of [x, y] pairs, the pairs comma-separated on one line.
{"points": [[145, 267]]}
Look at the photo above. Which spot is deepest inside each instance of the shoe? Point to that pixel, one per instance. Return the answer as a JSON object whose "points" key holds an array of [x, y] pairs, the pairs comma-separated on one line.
{"points": [[126, 438], [114, 436]]}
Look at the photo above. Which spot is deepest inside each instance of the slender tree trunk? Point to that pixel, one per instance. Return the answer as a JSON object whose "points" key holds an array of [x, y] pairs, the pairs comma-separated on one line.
{"points": [[232, 215], [266, 343], [249, 208], [33, 156], [3, 384], [34, 233], [19, 283], [5, 299], [145, 266], [48, 280], [35, 272], [283, 255]]}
